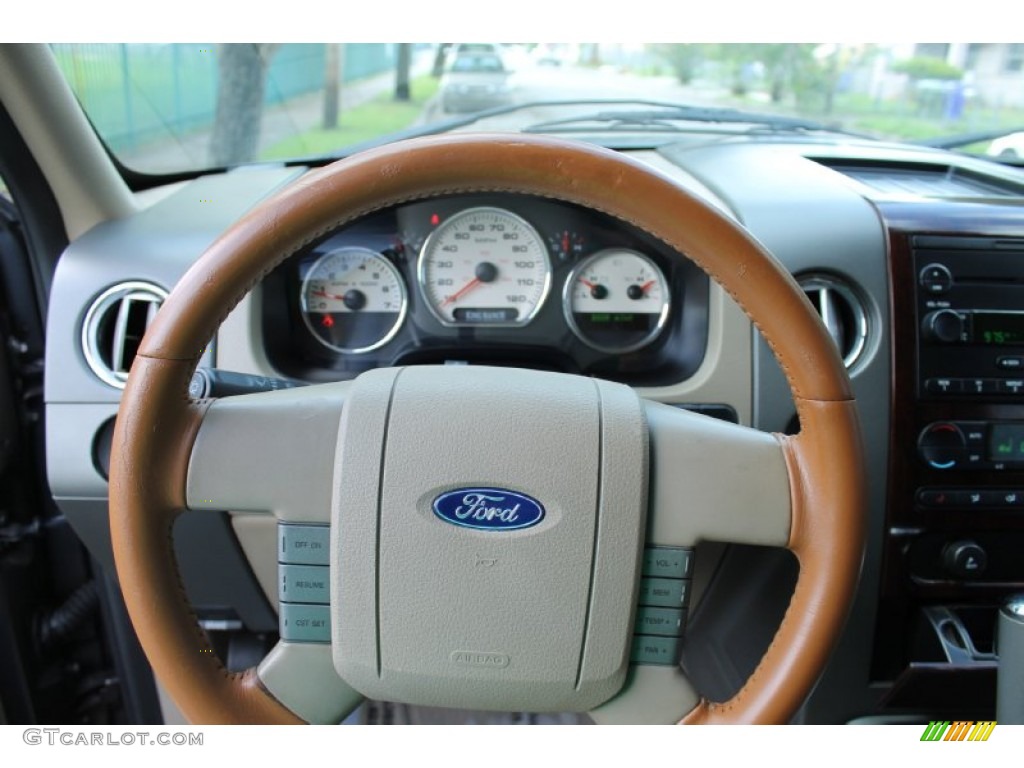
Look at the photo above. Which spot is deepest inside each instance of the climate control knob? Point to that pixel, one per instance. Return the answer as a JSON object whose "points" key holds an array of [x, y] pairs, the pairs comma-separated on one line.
{"points": [[944, 326], [941, 445]]}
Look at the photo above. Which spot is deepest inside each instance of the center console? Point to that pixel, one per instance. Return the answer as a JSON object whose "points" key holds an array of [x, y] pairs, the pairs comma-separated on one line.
{"points": [[954, 541]]}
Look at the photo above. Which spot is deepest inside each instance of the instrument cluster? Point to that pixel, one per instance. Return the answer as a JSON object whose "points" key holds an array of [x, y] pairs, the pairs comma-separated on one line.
{"points": [[488, 278]]}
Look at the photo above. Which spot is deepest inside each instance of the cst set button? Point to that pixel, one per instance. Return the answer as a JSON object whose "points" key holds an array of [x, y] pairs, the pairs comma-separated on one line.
{"points": [[305, 623]]}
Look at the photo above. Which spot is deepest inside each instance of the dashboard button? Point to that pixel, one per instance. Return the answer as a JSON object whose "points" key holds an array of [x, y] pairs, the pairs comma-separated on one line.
{"points": [[943, 386], [1010, 362], [667, 562], [938, 498], [666, 593], [974, 434], [1011, 386], [659, 621], [304, 544], [964, 559], [305, 623], [936, 279], [981, 386], [651, 649], [304, 584], [1009, 498]]}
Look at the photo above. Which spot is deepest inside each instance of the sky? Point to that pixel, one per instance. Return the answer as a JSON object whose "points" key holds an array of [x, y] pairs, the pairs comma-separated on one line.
{"points": [[877, 21]]}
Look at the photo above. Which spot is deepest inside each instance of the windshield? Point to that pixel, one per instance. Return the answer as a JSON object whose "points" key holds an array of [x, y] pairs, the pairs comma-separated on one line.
{"points": [[165, 108]]}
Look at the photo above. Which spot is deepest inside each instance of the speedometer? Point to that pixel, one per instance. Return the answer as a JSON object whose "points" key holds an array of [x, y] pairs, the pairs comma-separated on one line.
{"points": [[485, 266]]}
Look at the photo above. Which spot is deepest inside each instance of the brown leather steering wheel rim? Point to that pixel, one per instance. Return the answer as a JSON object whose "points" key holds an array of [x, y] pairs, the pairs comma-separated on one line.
{"points": [[157, 422]]}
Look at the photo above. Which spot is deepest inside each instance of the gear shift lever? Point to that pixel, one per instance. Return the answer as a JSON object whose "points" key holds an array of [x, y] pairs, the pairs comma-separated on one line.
{"points": [[1010, 646]]}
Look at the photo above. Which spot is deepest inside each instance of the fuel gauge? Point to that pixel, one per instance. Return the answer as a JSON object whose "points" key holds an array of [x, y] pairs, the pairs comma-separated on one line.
{"points": [[617, 301]]}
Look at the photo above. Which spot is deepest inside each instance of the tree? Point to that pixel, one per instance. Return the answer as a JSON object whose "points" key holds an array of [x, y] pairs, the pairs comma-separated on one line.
{"points": [[440, 54], [684, 58], [403, 65], [241, 80], [333, 64]]}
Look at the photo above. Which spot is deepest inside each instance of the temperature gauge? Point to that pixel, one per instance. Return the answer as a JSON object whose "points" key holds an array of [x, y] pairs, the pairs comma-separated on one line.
{"points": [[617, 301], [353, 300]]}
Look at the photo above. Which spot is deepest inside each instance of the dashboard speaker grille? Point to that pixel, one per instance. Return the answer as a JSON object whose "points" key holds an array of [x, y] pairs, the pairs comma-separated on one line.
{"points": [[841, 311], [114, 326]]}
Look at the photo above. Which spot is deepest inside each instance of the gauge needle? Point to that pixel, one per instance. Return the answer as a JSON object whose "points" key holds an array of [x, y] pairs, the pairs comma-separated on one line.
{"points": [[647, 285], [587, 283], [461, 292], [327, 295]]}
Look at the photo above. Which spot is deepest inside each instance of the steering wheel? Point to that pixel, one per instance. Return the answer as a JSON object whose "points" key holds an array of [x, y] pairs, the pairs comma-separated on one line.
{"points": [[512, 613]]}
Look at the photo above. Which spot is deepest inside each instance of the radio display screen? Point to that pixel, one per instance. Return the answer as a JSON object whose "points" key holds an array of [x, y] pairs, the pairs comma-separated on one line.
{"points": [[999, 328], [1006, 442]]}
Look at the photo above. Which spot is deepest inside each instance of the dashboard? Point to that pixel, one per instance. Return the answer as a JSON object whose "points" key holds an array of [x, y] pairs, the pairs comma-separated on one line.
{"points": [[495, 279], [866, 228]]}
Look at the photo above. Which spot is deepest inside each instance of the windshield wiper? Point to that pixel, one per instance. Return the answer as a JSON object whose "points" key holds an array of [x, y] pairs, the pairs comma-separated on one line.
{"points": [[966, 139], [653, 116], [666, 117]]}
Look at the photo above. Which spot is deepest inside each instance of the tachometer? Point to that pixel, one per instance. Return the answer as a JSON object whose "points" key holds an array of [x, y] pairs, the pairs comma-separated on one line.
{"points": [[353, 300], [617, 300], [485, 266]]}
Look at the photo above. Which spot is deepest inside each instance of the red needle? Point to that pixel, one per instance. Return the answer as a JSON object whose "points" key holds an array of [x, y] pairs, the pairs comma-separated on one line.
{"points": [[461, 292], [587, 283], [327, 295], [647, 285]]}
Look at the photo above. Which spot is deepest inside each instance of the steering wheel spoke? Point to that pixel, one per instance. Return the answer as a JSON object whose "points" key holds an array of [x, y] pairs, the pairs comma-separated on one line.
{"points": [[268, 452], [716, 481], [652, 695]]}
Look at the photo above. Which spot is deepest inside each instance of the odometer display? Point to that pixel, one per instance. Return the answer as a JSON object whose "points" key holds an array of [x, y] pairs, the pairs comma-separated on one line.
{"points": [[484, 267]]}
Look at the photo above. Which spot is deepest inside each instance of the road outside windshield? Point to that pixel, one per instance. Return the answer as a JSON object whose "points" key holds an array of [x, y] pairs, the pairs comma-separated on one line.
{"points": [[168, 108]]}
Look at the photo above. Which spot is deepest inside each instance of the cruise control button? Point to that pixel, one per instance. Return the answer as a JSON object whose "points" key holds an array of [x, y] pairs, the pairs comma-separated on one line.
{"points": [[304, 584], [667, 562], [303, 544], [659, 621], [651, 649], [305, 623]]}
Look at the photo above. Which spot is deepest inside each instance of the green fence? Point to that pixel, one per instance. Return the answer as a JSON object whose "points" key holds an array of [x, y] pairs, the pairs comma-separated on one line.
{"points": [[135, 93]]}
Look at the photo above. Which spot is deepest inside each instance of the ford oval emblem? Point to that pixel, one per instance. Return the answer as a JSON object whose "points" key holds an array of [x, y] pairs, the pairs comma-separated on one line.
{"points": [[488, 509]]}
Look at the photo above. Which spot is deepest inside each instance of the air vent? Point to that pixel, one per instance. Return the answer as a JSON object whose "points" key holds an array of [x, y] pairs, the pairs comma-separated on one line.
{"points": [[114, 326], [842, 313]]}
